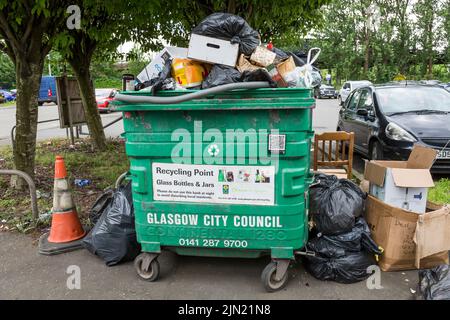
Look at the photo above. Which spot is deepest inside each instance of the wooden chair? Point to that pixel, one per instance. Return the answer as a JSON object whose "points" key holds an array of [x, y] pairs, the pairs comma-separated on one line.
{"points": [[335, 157]]}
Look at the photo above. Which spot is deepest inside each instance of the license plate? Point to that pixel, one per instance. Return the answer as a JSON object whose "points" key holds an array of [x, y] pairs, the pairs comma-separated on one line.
{"points": [[443, 154]]}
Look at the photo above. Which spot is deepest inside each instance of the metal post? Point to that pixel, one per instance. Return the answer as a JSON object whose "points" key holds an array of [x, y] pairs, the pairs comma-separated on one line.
{"points": [[31, 185], [69, 107]]}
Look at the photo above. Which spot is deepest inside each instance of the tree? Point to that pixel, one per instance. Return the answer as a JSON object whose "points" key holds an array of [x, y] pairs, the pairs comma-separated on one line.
{"points": [[28, 29], [279, 21], [103, 27]]}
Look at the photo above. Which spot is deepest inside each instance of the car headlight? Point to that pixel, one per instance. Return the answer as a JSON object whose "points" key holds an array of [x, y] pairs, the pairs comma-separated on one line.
{"points": [[395, 132]]}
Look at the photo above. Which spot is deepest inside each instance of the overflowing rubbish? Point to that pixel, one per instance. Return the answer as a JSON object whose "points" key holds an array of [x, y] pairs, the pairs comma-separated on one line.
{"points": [[224, 49], [343, 258], [113, 237], [410, 240], [434, 283], [229, 27], [414, 232], [334, 204]]}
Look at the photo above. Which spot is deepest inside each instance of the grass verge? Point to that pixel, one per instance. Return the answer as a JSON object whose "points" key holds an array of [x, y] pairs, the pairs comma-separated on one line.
{"points": [[440, 194], [82, 162]]}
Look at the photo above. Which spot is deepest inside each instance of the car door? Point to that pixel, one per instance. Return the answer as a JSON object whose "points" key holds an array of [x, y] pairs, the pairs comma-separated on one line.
{"points": [[349, 112], [364, 118]]}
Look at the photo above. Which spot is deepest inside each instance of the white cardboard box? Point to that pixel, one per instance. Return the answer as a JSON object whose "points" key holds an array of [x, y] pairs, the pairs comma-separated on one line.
{"points": [[155, 67], [403, 184], [212, 50]]}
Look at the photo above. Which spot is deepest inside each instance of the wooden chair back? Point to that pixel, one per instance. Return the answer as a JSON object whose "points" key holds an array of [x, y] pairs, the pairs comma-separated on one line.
{"points": [[339, 156]]}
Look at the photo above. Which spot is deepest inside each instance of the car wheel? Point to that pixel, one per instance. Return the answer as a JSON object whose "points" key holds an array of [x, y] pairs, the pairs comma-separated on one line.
{"points": [[376, 151]]}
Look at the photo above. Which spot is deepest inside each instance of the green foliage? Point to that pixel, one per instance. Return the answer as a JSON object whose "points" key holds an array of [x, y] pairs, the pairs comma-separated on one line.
{"points": [[7, 71], [378, 39], [440, 194]]}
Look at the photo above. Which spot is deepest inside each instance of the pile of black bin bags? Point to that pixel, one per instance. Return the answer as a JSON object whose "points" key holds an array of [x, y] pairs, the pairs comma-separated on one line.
{"points": [[340, 240]]}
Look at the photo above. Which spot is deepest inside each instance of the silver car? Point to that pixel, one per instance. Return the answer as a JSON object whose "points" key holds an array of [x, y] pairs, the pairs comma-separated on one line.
{"points": [[348, 87]]}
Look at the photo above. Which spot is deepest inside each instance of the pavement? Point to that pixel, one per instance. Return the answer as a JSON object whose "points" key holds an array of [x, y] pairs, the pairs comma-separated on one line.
{"points": [[24, 274]]}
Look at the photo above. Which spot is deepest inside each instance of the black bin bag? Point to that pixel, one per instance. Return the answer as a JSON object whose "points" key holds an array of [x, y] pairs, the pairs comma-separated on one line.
{"points": [[227, 26], [335, 203], [113, 237], [349, 268], [345, 257], [435, 283]]}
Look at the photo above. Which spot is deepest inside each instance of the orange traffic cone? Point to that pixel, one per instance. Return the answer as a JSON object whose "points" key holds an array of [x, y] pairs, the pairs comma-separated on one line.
{"points": [[66, 232]]}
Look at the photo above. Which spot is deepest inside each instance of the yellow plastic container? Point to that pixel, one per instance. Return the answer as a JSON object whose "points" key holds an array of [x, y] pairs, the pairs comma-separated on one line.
{"points": [[188, 73]]}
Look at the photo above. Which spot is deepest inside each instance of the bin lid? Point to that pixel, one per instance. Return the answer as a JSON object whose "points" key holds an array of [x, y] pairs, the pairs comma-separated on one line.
{"points": [[264, 98]]}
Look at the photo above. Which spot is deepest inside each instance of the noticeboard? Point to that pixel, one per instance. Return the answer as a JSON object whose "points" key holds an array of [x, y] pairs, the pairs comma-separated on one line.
{"points": [[70, 104]]}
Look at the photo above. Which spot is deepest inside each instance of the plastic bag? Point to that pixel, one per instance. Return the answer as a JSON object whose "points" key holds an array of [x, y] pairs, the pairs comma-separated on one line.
{"points": [[305, 75], [100, 205], [156, 84], [435, 283], [335, 203], [220, 75], [113, 237], [358, 239], [349, 268], [230, 27]]}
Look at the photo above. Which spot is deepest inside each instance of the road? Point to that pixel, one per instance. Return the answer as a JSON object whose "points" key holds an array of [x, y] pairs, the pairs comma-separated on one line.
{"points": [[24, 274], [49, 130]]}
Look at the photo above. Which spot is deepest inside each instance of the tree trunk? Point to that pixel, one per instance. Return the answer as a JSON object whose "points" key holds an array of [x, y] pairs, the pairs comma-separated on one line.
{"points": [[83, 74], [24, 148]]}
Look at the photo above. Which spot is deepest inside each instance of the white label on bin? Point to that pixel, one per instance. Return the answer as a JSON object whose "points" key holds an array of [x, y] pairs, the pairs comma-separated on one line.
{"points": [[253, 185]]}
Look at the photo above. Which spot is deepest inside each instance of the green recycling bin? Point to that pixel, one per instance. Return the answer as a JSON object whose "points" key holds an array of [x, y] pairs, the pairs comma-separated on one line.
{"points": [[225, 175]]}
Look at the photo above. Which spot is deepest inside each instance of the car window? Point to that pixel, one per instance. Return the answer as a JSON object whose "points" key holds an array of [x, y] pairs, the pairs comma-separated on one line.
{"points": [[365, 100], [346, 86], [413, 98], [354, 100]]}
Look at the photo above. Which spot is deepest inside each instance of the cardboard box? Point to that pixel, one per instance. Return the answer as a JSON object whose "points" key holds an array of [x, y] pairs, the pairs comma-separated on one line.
{"points": [[244, 64], [212, 50], [263, 57], [410, 241], [403, 184], [278, 72], [158, 62]]}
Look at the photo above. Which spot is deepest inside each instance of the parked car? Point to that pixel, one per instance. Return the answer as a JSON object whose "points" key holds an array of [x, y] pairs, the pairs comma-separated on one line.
{"points": [[348, 87], [8, 95], [389, 119], [325, 91], [47, 91], [104, 97]]}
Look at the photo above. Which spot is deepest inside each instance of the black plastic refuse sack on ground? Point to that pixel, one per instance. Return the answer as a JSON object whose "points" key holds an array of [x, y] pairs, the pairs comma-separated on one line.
{"points": [[334, 204], [113, 237], [349, 268], [358, 239], [435, 283], [227, 26], [343, 258]]}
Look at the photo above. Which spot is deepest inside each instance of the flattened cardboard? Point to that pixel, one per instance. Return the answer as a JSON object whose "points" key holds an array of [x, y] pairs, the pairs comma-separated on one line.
{"points": [[394, 230], [412, 178], [421, 157], [432, 233]]}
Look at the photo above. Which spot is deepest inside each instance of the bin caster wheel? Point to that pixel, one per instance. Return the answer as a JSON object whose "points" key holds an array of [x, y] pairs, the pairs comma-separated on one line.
{"points": [[149, 273], [269, 281]]}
